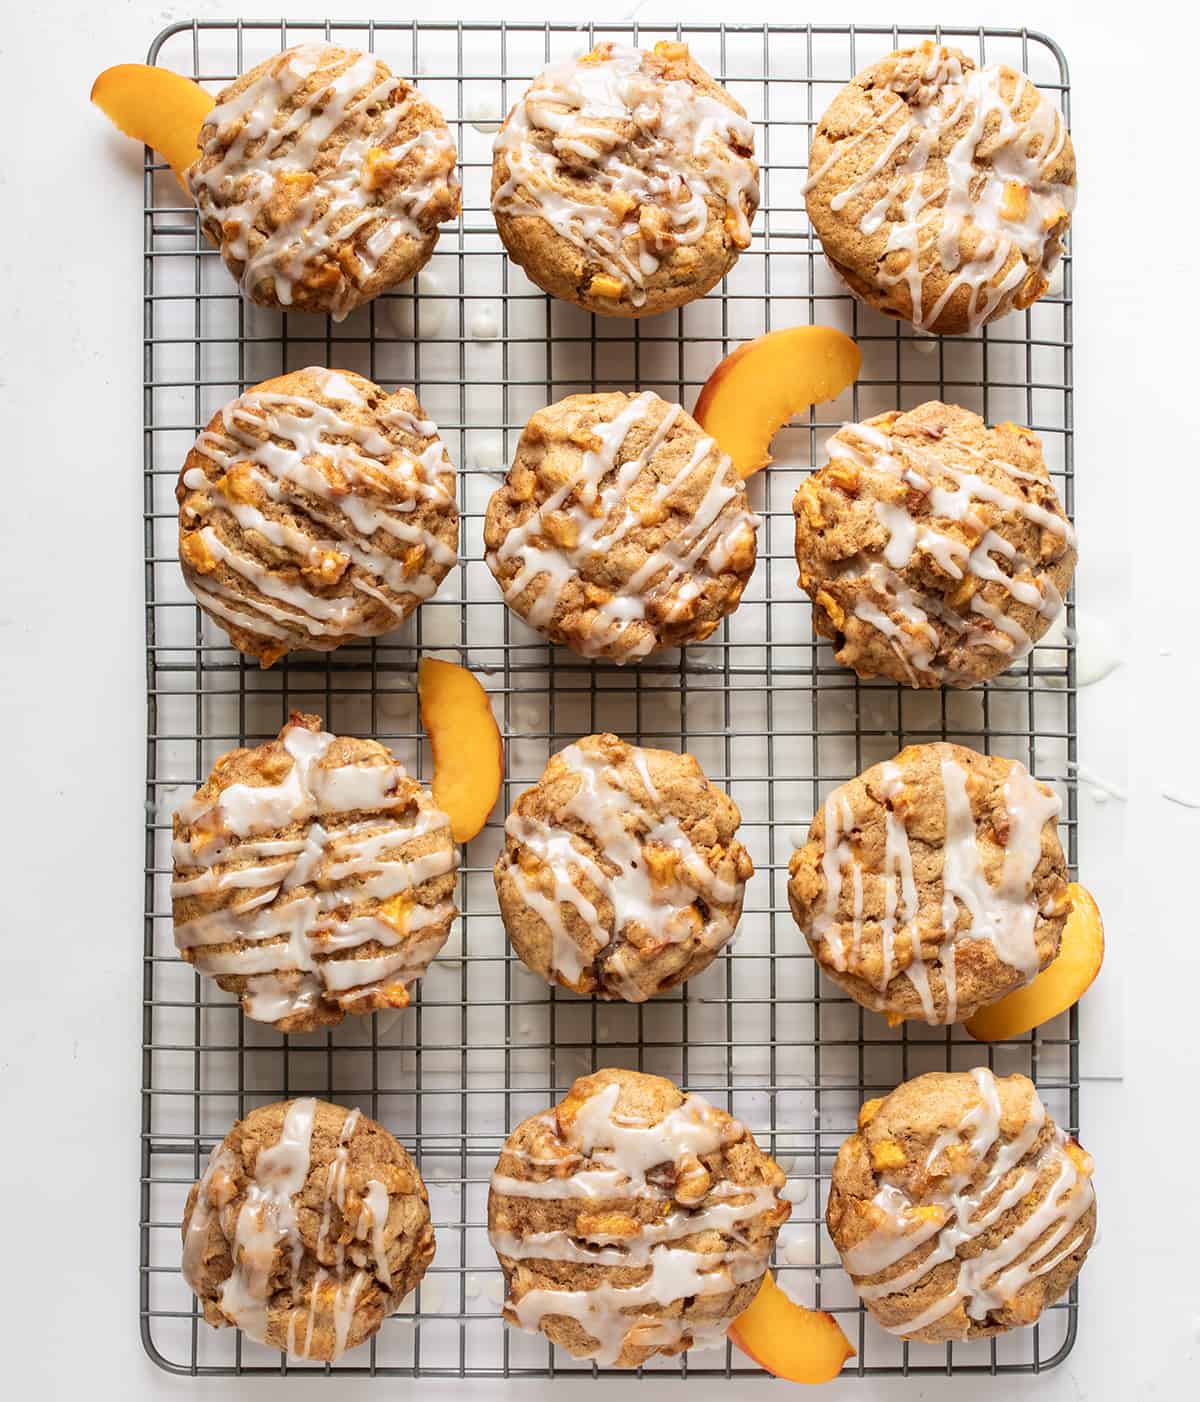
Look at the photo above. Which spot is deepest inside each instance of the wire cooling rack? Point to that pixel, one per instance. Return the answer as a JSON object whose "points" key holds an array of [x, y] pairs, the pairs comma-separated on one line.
{"points": [[762, 704]]}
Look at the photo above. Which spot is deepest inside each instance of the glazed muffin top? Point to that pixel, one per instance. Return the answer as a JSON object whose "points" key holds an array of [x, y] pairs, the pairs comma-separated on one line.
{"points": [[960, 1209], [309, 1226], [632, 1219], [934, 548], [323, 179], [625, 181], [942, 191], [621, 528], [933, 884], [621, 874], [312, 877], [315, 509]]}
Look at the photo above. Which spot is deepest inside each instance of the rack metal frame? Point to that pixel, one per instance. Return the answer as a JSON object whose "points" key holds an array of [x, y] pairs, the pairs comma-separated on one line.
{"points": [[762, 704]]}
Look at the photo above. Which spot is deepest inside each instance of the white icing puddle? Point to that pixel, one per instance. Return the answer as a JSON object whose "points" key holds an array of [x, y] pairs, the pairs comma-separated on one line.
{"points": [[485, 454], [434, 304], [798, 1251], [483, 325], [1096, 650], [484, 115], [795, 1190]]}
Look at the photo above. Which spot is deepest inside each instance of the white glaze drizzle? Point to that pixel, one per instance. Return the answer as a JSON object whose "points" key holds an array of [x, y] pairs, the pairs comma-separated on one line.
{"points": [[600, 515], [306, 886], [678, 165], [1006, 197], [341, 204], [620, 1155], [346, 1291], [904, 618], [991, 1277], [264, 1224], [356, 484], [1004, 914], [624, 824], [374, 1220]]}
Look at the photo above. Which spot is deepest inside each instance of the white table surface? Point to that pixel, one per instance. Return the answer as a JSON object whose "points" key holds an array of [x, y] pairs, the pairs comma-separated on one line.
{"points": [[72, 706]]}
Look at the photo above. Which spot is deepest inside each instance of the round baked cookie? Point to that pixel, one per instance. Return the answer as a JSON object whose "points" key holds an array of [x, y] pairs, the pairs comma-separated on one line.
{"points": [[934, 548], [313, 510], [309, 1226], [621, 529], [942, 192], [323, 178], [606, 1210], [625, 181], [313, 877], [933, 884], [621, 873], [960, 1209]]}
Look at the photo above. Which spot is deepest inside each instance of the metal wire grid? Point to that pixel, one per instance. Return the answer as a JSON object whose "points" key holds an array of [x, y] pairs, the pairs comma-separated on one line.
{"points": [[763, 705]]}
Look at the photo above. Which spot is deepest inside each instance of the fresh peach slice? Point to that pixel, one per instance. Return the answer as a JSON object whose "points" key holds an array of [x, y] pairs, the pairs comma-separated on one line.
{"points": [[156, 107], [468, 754], [1059, 985], [801, 1345], [757, 388]]}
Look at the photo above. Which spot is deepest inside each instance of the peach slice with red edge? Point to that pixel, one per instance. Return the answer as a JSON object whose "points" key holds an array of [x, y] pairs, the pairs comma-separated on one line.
{"points": [[156, 107], [468, 754], [798, 1344], [757, 388], [1060, 985]]}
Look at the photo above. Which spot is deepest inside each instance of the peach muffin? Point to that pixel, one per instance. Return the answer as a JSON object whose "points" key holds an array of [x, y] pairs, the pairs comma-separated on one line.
{"points": [[309, 1226], [315, 509], [942, 191], [313, 878], [959, 1208], [624, 181], [935, 549], [621, 873], [632, 1220], [322, 179], [933, 884], [621, 529]]}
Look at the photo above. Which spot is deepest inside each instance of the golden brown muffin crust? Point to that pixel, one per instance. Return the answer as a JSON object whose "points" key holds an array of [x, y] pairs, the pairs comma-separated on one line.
{"points": [[312, 877], [582, 164], [621, 528], [619, 1188], [996, 174], [934, 548], [323, 179], [621, 874], [309, 1226], [993, 1202], [315, 509], [886, 852]]}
